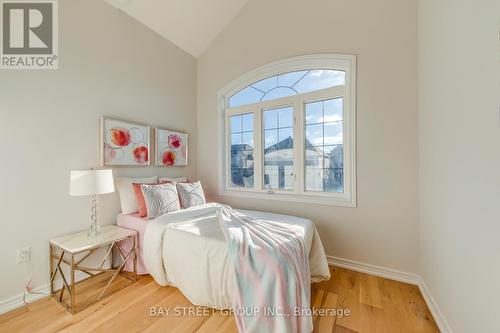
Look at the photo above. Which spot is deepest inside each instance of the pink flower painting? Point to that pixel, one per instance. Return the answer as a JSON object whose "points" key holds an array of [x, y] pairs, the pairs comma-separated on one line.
{"points": [[124, 143], [171, 148]]}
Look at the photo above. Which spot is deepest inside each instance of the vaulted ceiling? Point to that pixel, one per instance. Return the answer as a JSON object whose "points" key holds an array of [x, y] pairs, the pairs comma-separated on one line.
{"points": [[190, 24]]}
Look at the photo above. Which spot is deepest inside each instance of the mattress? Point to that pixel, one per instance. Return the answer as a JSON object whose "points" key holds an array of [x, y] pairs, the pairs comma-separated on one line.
{"points": [[139, 224]]}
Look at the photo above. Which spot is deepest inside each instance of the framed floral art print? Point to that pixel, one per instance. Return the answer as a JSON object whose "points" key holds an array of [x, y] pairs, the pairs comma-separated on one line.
{"points": [[171, 148], [124, 143]]}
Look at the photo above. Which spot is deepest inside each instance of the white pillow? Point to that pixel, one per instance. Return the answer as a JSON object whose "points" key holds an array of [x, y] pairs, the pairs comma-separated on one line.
{"points": [[170, 180], [128, 201], [160, 199], [190, 194]]}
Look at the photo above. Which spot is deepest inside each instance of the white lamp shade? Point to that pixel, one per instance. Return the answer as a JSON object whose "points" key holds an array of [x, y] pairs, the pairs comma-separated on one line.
{"points": [[91, 182]]}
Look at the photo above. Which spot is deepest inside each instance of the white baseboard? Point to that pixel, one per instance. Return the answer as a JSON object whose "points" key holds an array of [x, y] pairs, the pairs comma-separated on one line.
{"points": [[42, 291], [387, 273], [433, 307], [400, 276]]}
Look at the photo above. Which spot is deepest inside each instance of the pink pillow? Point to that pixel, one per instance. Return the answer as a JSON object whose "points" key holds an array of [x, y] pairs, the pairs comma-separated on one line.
{"points": [[141, 202]]}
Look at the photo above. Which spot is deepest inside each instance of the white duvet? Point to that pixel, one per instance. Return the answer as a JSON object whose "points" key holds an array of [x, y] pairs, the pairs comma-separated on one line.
{"points": [[187, 249]]}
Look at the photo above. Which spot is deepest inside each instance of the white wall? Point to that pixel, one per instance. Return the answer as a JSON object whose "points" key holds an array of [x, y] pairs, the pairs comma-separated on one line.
{"points": [[459, 131], [383, 229], [110, 65]]}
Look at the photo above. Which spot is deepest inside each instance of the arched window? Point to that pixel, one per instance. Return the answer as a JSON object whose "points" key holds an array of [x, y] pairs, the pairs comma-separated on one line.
{"points": [[289, 131]]}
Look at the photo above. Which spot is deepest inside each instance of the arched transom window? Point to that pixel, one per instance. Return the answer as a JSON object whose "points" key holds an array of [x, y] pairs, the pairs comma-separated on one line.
{"points": [[289, 131], [287, 84]]}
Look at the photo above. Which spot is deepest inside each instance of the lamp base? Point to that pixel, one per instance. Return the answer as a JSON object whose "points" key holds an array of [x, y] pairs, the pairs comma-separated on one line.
{"points": [[94, 226]]}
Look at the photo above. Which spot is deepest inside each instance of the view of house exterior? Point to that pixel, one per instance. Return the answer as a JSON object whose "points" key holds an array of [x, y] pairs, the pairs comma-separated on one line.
{"points": [[324, 170]]}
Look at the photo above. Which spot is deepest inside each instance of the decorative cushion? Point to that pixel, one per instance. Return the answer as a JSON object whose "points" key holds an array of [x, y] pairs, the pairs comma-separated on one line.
{"points": [[143, 212], [190, 194], [128, 200], [163, 180], [160, 199]]}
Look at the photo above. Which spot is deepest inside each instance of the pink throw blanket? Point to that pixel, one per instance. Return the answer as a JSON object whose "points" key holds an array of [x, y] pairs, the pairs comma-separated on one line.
{"points": [[272, 275]]}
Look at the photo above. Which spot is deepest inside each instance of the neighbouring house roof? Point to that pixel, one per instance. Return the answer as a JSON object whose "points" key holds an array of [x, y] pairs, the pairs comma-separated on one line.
{"points": [[288, 144], [240, 146]]}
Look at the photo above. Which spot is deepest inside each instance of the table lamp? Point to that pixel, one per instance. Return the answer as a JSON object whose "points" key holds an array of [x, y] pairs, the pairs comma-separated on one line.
{"points": [[91, 183]]}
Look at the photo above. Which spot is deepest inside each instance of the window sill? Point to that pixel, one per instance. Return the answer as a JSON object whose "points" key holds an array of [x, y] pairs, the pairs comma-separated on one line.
{"points": [[340, 200]]}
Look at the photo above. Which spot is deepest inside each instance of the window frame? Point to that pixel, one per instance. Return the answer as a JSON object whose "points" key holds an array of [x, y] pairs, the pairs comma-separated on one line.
{"points": [[342, 62]]}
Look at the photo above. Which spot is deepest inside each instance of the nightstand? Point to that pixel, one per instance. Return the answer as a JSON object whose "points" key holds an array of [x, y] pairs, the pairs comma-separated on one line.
{"points": [[75, 249]]}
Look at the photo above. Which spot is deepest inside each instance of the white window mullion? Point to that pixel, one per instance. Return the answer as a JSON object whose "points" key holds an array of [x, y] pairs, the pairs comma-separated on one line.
{"points": [[298, 146], [257, 155]]}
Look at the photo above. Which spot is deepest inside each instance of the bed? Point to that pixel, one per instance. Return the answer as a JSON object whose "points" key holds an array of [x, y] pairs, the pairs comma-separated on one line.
{"points": [[191, 253], [217, 257], [222, 257], [218, 260]]}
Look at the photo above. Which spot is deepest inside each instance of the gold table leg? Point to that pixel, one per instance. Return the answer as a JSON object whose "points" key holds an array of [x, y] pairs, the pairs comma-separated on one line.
{"points": [[51, 260], [73, 295], [135, 258]]}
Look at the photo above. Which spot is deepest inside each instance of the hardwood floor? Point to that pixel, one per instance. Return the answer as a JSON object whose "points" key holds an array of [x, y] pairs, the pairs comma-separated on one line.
{"points": [[375, 304]]}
